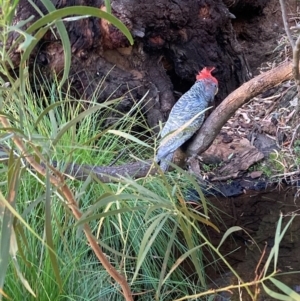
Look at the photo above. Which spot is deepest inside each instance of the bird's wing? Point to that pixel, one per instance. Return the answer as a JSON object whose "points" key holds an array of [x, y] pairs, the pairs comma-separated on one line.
{"points": [[170, 144], [164, 163], [184, 119], [178, 116]]}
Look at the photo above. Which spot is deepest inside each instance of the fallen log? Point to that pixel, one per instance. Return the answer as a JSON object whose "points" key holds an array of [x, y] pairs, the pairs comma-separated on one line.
{"points": [[172, 42], [235, 100], [203, 139]]}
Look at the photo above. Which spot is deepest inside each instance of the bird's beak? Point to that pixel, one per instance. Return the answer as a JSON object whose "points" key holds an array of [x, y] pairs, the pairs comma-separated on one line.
{"points": [[217, 91]]}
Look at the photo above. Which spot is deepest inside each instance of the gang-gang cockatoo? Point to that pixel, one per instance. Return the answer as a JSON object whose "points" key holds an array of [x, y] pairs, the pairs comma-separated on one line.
{"points": [[187, 116]]}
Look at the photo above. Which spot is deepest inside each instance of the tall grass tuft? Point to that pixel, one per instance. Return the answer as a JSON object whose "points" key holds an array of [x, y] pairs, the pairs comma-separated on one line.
{"points": [[62, 239]]}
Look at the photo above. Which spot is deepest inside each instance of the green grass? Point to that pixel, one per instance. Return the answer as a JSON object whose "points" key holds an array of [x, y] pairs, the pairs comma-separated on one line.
{"points": [[145, 227], [121, 234]]}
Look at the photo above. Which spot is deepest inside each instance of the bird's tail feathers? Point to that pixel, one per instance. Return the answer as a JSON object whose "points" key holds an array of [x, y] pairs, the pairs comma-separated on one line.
{"points": [[165, 162], [182, 128]]}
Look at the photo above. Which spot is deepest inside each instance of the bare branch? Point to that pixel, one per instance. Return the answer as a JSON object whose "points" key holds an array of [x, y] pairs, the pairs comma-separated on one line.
{"points": [[295, 49], [285, 23], [57, 180], [201, 142], [233, 101], [296, 54]]}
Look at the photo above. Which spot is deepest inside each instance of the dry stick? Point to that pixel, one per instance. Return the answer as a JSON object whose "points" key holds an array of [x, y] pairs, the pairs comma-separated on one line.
{"points": [[285, 23], [296, 54], [233, 101], [258, 277], [295, 49], [205, 136], [63, 189]]}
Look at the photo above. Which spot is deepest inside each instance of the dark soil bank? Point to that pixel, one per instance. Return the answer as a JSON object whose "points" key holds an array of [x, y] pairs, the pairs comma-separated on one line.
{"points": [[258, 214]]}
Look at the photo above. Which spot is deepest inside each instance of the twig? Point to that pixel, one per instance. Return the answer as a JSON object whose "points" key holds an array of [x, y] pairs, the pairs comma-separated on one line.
{"points": [[288, 174], [257, 85], [295, 49], [294, 136], [258, 277], [296, 54], [58, 181], [204, 137], [285, 23]]}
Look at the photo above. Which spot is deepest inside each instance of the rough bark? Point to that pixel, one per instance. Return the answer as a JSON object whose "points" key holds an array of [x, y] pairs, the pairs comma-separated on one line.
{"points": [[202, 140], [232, 102], [173, 40], [208, 131]]}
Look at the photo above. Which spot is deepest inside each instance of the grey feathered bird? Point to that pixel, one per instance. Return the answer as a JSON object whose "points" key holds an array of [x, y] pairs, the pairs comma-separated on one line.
{"points": [[187, 116]]}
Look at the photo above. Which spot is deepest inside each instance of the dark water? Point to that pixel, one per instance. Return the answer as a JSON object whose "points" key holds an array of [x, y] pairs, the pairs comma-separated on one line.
{"points": [[258, 213]]}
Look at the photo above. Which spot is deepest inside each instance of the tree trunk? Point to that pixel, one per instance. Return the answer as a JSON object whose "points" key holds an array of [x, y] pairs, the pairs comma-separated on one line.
{"points": [[173, 41]]}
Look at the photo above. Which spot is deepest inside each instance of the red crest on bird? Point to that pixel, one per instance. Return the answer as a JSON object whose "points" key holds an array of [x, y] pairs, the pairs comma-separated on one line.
{"points": [[205, 73]]}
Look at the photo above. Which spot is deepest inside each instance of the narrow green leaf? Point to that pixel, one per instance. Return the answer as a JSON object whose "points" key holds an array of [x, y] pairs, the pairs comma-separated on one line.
{"points": [[13, 130], [287, 290], [115, 252], [277, 242], [18, 216], [10, 12], [48, 109], [23, 246], [283, 232], [106, 214], [129, 137], [28, 48], [13, 253], [181, 259], [195, 186], [197, 261], [78, 118], [154, 197], [165, 262], [7, 223], [148, 239], [227, 233], [203, 220], [80, 10], [48, 231], [5, 235], [62, 31], [104, 200], [22, 278], [275, 295], [107, 6], [153, 208], [45, 22], [73, 122]]}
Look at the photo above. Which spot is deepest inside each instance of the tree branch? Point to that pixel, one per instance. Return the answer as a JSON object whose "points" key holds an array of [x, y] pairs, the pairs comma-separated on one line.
{"points": [[57, 180], [201, 142], [235, 100], [295, 48], [285, 23], [205, 135]]}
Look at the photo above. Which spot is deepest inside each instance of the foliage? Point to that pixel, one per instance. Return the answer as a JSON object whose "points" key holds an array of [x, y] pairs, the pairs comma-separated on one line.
{"points": [[62, 239], [295, 45]]}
